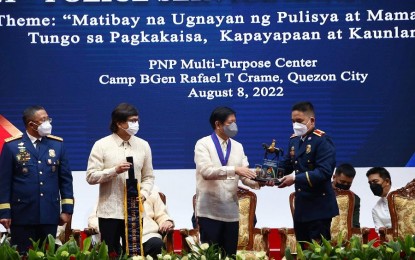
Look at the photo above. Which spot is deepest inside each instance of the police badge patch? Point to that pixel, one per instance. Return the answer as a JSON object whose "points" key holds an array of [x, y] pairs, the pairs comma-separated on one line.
{"points": [[52, 153], [308, 148]]}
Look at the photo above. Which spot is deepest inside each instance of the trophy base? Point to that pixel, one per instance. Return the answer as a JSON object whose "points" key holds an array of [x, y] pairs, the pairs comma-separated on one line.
{"points": [[276, 180]]}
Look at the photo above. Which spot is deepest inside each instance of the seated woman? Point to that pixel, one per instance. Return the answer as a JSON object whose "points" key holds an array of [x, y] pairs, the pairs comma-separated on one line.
{"points": [[156, 221]]}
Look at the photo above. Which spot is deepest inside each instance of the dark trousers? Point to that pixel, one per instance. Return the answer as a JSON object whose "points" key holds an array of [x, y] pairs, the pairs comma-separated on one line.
{"points": [[21, 234], [153, 247], [224, 234], [312, 230], [112, 230]]}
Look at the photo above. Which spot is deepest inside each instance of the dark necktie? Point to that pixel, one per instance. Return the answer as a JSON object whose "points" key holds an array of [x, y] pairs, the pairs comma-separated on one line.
{"points": [[37, 142]]}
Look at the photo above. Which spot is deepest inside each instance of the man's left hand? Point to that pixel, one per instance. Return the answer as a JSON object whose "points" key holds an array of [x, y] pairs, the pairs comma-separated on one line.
{"points": [[64, 218], [166, 226]]}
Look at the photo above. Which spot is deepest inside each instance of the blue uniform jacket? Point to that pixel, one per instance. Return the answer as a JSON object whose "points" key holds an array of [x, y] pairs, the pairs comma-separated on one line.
{"points": [[313, 162], [34, 186]]}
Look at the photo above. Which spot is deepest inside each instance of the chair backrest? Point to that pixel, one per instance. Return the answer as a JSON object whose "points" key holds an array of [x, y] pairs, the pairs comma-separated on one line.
{"points": [[163, 197], [291, 199], [401, 204], [247, 206], [342, 223]]}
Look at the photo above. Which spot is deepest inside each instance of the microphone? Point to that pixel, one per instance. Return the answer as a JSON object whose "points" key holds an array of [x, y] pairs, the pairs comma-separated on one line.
{"points": [[131, 174]]}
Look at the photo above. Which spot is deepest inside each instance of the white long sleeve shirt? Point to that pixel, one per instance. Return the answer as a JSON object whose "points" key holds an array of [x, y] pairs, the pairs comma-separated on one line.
{"points": [[105, 155], [380, 213], [217, 185]]}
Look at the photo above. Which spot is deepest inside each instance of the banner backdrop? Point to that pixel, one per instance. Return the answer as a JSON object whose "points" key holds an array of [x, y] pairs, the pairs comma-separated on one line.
{"points": [[177, 60]]}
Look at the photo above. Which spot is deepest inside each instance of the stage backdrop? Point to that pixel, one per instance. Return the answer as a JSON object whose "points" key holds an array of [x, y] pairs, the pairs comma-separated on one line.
{"points": [[176, 60]]}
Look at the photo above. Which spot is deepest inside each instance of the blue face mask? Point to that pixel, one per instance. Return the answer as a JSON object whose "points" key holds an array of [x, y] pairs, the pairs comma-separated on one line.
{"points": [[231, 130]]}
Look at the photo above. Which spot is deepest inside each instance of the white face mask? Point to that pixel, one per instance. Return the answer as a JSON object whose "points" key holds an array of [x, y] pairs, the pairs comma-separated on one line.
{"points": [[44, 129], [300, 129], [132, 128]]}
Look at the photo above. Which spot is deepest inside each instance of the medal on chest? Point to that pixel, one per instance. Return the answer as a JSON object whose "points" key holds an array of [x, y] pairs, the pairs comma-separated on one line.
{"points": [[22, 156]]}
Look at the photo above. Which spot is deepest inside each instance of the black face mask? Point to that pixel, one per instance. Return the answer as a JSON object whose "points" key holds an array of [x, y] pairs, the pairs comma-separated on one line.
{"points": [[376, 189], [342, 186]]}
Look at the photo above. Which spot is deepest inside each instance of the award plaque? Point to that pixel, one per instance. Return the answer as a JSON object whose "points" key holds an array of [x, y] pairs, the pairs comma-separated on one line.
{"points": [[268, 170]]}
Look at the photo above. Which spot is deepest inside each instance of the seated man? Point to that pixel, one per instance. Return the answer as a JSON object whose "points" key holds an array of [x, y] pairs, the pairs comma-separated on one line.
{"points": [[343, 179], [156, 221], [381, 184]]}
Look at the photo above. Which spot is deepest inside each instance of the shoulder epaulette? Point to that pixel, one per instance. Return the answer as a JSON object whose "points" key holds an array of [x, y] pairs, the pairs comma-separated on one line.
{"points": [[54, 137], [292, 136], [319, 132], [9, 139]]}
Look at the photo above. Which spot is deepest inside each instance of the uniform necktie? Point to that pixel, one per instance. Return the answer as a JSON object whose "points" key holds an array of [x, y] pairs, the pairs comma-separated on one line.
{"points": [[37, 142]]}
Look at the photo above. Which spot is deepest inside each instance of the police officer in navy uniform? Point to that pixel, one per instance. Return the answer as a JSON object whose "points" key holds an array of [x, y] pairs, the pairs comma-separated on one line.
{"points": [[36, 191], [309, 164]]}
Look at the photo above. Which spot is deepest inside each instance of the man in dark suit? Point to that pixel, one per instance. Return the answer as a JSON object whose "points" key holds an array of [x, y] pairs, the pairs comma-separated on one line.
{"points": [[309, 164], [36, 182], [343, 179]]}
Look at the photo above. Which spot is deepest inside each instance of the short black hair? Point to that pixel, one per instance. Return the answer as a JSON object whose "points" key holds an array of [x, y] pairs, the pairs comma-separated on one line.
{"points": [[120, 114], [304, 106], [220, 114], [383, 173], [29, 112], [346, 169]]}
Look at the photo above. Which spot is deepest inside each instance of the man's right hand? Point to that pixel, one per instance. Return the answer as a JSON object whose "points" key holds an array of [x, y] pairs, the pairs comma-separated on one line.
{"points": [[286, 181], [245, 172], [6, 222], [122, 167]]}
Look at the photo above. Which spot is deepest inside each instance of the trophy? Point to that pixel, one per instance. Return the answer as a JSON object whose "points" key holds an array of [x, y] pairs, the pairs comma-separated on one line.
{"points": [[268, 170]]}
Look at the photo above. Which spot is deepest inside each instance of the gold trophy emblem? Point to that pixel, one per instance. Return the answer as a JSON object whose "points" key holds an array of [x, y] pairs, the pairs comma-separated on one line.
{"points": [[268, 170]]}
